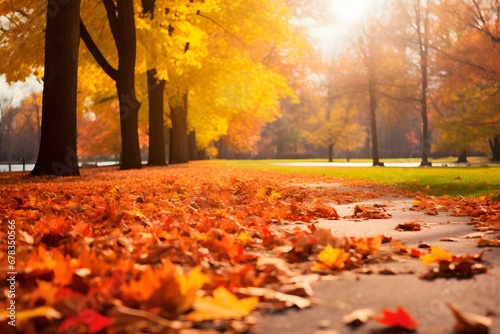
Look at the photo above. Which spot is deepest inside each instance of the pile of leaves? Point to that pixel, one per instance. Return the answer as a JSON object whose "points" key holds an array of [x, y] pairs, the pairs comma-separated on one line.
{"points": [[168, 249]]}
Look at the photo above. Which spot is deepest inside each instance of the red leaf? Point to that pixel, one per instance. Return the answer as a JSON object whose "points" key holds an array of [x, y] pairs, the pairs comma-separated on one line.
{"points": [[400, 318], [89, 317]]}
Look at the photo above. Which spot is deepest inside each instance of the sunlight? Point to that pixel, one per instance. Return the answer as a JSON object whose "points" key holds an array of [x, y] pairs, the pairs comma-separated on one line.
{"points": [[347, 12]]}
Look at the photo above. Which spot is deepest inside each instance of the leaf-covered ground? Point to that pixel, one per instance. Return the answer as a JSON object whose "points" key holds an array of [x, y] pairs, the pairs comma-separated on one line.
{"points": [[164, 250]]}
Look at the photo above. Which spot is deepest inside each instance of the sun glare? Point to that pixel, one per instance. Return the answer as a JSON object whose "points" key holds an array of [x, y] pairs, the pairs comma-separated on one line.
{"points": [[348, 11]]}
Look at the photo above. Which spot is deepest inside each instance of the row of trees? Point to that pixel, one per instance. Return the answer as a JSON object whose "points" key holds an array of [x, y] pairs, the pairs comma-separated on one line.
{"points": [[224, 60], [240, 76]]}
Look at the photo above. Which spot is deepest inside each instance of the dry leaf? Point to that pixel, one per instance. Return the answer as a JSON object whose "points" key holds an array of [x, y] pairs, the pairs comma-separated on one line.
{"points": [[408, 227], [449, 239], [223, 305], [470, 322], [270, 294], [488, 242], [473, 235], [358, 317]]}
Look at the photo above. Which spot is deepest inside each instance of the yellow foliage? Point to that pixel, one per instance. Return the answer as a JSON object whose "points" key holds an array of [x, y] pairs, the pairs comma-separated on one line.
{"points": [[436, 255], [222, 305]]}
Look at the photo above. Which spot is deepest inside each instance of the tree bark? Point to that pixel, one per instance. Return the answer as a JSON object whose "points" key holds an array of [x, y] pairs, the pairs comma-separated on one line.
{"points": [[423, 40], [179, 148], [330, 153], [156, 88], [193, 149], [372, 99], [122, 24], [495, 148], [125, 83], [57, 154], [462, 157]]}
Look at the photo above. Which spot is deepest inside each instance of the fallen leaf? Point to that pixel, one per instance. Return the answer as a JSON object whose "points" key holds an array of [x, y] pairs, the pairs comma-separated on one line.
{"points": [[94, 321], [358, 317], [470, 322], [449, 239], [370, 212], [436, 255], [270, 294], [408, 227], [473, 235], [223, 305], [488, 242], [400, 319], [331, 258]]}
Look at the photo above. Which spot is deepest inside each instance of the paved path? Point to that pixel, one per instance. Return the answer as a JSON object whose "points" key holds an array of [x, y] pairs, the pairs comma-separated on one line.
{"points": [[425, 300]]}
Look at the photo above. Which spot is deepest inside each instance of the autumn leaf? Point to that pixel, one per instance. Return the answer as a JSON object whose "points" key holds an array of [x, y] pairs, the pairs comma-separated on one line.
{"points": [[488, 242], [408, 227], [400, 318], [470, 322], [358, 317], [189, 285], [436, 255], [223, 305], [94, 321], [331, 258]]}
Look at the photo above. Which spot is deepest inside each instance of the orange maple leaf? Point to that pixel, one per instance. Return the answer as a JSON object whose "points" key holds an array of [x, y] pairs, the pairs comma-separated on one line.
{"points": [[400, 318]]}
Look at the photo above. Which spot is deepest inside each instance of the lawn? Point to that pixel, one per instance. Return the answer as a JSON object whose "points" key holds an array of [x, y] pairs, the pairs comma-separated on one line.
{"points": [[453, 181]]}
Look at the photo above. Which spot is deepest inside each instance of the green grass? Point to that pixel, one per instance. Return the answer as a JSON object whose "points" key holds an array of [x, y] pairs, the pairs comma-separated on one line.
{"points": [[453, 181]]}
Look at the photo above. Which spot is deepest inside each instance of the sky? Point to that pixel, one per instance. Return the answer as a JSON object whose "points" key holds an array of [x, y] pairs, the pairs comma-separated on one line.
{"points": [[17, 91]]}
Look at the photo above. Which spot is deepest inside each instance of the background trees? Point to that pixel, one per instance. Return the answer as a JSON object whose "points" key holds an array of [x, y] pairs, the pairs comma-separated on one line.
{"points": [[414, 78]]}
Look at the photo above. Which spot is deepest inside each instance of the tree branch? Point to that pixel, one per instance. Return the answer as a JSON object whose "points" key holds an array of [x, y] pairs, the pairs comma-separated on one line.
{"points": [[113, 23], [96, 53]]}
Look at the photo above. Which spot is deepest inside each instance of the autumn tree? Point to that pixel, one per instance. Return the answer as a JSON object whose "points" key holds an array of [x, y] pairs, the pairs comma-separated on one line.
{"points": [[468, 109], [121, 20], [57, 154]]}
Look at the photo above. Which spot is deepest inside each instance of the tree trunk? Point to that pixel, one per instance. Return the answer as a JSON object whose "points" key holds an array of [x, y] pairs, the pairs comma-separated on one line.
{"points": [[372, 100], [330, 153], [125, 85], [156, 130], [462, 158], [179, 148], [57, 154], [122, 24], [423, 41], [373, 125], [193, 149], [495, 148]]}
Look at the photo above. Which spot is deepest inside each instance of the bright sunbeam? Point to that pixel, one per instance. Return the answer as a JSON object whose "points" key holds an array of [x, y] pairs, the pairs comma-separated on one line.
{"points": [[348, 11]]}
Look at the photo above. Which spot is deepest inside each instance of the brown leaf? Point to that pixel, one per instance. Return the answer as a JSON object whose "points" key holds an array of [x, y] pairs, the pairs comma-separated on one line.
{"points": [[410, 226], [470, 322], [358, 317], [449, 239], [488, 242]]}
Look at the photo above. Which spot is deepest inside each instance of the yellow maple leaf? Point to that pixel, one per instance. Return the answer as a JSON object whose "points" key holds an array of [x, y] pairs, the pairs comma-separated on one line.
{"points": [[223, 305], [436, 255], [274, 195], [331, 258], [189, 285]]}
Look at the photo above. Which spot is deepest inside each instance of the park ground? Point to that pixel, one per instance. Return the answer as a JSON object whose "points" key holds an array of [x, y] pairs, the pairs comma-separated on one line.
{"points": [[236, 246]]}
